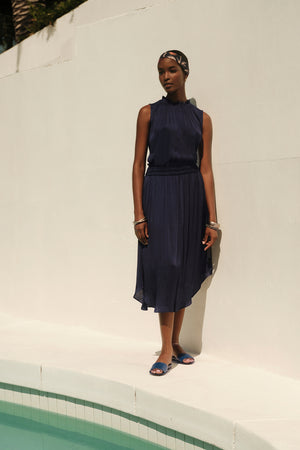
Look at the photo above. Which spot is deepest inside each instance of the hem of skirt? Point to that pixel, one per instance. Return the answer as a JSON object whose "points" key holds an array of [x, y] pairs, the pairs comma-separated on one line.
{"points": [[207, 274], [145, 306]]}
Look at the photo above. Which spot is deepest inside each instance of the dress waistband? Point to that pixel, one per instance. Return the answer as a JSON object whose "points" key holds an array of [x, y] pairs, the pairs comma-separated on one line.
{"points": [[171, 170]]}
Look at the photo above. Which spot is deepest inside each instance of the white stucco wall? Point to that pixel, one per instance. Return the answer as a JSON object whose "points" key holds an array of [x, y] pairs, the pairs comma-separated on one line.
{"points": [[69, 101]]}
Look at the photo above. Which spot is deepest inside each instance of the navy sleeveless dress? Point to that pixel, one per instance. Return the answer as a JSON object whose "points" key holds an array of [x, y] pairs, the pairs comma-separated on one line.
{"points": [[172, 267]]}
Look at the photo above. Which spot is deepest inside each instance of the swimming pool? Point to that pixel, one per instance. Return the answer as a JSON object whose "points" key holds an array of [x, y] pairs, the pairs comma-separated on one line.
{"points": [[23, 428], [79, 425]]}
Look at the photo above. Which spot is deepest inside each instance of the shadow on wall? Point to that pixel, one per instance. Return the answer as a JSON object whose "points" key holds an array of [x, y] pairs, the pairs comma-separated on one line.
{"points": [[192, 328], [49, 31]]}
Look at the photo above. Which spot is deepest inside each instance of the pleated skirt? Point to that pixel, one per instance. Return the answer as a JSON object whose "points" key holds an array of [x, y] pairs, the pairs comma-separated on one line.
{"points": [[172, 267]]}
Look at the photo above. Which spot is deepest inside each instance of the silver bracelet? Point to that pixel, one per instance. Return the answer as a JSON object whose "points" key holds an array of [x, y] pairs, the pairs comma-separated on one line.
{"points": [[213, 225], [135, 222]]}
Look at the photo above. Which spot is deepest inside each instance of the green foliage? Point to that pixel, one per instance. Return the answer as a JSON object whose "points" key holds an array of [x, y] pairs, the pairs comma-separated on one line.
{"points": [[7, 32], [46, 13]]}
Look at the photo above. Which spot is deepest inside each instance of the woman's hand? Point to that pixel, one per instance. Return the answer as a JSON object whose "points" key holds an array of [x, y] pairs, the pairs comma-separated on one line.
{"points": [[141, 232], [210, 237]]}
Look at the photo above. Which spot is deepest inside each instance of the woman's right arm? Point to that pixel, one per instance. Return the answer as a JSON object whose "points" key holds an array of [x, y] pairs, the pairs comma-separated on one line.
{"points": [[138, 170]]}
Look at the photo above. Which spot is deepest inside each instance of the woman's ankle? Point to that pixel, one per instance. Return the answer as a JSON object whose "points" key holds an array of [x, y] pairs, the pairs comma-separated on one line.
{"points": [[166, 351]]}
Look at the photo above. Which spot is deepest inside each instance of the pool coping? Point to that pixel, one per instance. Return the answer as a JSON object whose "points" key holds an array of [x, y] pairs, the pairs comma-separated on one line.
{"points": [[220, 402], [60, 408], [199, 423]]}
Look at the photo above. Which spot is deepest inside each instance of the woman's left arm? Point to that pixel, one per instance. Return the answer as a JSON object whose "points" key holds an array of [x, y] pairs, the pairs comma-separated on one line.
{"points": [[207, 173]]}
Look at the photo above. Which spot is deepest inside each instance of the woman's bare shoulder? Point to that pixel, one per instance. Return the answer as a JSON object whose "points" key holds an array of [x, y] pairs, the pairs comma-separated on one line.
{"points": [[207, 122], [145, 113], [145, 109]]}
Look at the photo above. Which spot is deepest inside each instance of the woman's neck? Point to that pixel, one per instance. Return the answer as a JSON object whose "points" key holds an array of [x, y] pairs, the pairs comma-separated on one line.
{"points": [[177, 97]]}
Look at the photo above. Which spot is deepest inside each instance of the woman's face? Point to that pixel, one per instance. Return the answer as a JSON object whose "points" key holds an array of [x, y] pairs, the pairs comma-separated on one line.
{"points": [[171, 75]]}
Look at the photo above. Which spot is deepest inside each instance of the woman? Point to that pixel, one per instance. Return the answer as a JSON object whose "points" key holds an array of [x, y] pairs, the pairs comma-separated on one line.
{"points": [[174, 206]]}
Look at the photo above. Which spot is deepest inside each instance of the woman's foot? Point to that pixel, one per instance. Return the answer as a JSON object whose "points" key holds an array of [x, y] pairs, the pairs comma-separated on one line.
{"points": [[164, 357], [178, 350]]}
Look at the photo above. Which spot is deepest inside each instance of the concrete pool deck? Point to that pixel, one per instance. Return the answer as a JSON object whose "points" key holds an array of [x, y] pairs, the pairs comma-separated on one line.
{"points": [[226, 404]]}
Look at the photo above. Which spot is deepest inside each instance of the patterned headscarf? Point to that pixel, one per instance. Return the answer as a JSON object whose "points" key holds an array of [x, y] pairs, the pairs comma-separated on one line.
{"points": [[179, 57]]}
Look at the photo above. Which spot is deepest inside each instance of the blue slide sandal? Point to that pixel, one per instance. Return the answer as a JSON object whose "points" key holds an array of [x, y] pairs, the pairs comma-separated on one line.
{"points": [[179, 358], [161, 366]]}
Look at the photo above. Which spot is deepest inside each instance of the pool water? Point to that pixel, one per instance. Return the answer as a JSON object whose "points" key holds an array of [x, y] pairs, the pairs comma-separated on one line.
{"points": [[25, 428]]}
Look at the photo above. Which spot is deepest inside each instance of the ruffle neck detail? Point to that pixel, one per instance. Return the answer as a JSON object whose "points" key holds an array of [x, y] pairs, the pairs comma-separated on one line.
{"points": [[167, 100]]}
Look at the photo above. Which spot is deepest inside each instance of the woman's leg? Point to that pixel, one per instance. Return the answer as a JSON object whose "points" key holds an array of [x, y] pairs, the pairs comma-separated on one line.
{"points": [[166, 321], [177, 349], [178, 319]]}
